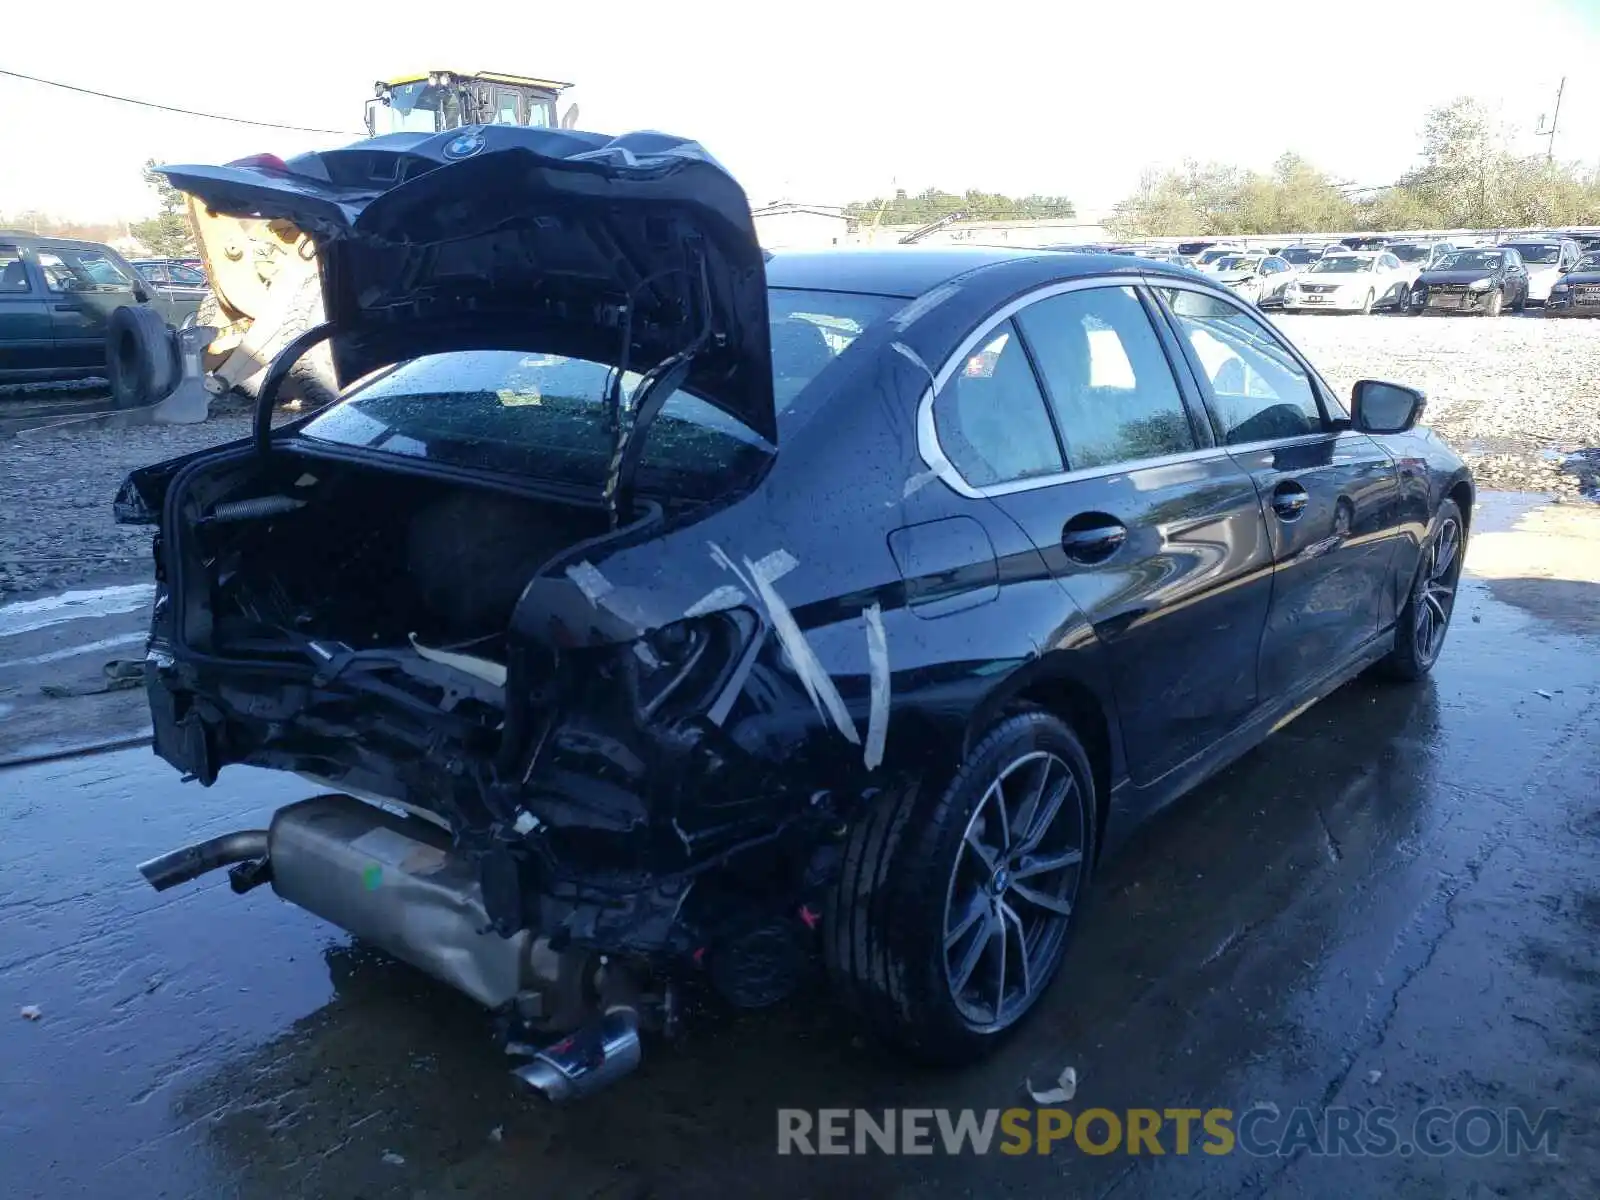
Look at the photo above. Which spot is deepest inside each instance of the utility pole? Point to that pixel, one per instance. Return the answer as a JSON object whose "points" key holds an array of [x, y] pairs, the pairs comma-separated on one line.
{"points": [[1550, 150]]}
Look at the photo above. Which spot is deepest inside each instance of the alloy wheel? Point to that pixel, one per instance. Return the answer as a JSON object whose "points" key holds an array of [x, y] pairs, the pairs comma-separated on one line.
{"points": [[1436, 592], [1012, 889]]}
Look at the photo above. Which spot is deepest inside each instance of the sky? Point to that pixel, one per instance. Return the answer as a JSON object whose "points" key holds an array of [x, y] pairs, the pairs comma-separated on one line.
{"points": [[817, 103]]}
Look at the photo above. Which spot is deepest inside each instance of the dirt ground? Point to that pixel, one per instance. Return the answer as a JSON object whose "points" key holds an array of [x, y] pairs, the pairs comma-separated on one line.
{"points": [[1394, 903]]}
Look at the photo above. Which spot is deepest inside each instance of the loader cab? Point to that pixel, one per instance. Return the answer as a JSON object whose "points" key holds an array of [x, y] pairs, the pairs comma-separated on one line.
{"points": [[442, 100]]}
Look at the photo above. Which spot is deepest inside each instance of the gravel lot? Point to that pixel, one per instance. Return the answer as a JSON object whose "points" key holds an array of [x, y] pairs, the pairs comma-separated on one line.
{"points": [[1516, 396]]}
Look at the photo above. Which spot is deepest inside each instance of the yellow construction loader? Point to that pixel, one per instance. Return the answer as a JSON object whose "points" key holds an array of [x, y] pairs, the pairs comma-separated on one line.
{"points": [[263, 274]]}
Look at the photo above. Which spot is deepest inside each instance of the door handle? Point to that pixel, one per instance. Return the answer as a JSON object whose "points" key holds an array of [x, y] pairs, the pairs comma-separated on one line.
{"points": [[1289, 501], [1092, 537], [69, 308]]}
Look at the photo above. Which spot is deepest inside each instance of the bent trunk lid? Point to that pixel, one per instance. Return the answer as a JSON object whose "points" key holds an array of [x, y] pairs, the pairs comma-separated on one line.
{"points": [[624, 251]]}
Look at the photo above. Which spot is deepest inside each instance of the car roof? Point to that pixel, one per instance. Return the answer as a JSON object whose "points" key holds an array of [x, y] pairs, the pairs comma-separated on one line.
{"points": [[21, 237], [910, 271]]}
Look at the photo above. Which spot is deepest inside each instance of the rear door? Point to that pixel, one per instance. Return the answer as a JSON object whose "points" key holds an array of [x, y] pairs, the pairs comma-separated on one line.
{"points": [[26, 343], [1153, 531], [1330, 495], [84, 284]]}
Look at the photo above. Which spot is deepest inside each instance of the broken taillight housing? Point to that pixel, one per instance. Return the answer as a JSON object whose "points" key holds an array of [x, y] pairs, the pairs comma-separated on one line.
{"points": [[680, 668]]}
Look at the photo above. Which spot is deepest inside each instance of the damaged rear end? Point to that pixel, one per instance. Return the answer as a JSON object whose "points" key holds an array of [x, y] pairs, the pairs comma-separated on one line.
{"points": [[531, 791]]}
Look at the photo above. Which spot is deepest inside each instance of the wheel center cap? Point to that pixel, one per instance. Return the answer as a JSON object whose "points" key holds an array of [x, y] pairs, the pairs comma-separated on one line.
{"points": [[1000, 881]]}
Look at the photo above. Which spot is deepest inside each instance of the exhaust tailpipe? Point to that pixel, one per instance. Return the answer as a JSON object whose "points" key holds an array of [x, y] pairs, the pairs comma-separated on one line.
{"points": [[190, 862], [582, 1063]]}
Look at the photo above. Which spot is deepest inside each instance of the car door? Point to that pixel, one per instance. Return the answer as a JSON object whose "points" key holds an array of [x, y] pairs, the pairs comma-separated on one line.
{"points": [[26, 342], [1275, 275], [84, 285], [1154, 532], [1516, 276], [1330, 495]]}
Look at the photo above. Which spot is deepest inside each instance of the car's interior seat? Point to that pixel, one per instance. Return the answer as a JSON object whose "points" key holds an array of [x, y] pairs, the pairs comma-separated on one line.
{"points": [[14, 278]]}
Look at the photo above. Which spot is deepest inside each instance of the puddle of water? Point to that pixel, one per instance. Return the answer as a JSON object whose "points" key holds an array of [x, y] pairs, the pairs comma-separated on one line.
{"points": [[26, 616], [35, 660]]}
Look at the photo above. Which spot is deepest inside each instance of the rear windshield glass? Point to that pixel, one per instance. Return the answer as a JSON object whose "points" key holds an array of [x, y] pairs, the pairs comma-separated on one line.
{"points": [[545, 415]]}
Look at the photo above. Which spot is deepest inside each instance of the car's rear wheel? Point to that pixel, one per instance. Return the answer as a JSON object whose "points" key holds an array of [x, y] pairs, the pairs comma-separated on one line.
{"points": [[1425, 619], [953, 909], [1497, 301]]}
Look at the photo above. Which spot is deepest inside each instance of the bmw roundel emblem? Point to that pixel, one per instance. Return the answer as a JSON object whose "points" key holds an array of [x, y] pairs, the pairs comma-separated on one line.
{"points": [[465, 144]]}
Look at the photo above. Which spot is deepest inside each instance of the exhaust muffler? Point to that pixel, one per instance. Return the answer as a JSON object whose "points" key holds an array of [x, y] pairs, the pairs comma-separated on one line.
{"points": [[395, 881]]}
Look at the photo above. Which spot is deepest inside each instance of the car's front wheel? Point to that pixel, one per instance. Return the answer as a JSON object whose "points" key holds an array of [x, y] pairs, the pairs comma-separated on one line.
{"points": [[953, 908], [1366, 305], [1497, 300], [1425, 619]]}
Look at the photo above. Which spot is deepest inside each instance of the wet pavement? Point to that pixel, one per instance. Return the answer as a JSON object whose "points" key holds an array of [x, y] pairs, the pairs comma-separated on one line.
{"points": [[1394, 901]]}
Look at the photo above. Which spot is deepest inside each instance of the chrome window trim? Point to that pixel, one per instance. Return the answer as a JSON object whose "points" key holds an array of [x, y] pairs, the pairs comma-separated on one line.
{"points": [[933, 455]]}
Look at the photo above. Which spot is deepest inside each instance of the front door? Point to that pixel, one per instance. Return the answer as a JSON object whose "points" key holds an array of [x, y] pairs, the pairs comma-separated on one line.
{"points": [[1153, 531], [84, 285], [1329, 494], [26, 343]]}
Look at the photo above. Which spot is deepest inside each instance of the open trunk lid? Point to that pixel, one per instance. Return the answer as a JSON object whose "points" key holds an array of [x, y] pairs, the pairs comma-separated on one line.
{"points": [[624, 251]]}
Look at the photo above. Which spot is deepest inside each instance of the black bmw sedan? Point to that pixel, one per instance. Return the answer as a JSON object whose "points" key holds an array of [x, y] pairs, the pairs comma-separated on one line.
{"points": [[654, 607]]}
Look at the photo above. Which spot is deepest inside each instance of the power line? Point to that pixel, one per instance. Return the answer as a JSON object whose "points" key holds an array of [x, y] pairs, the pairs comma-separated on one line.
{"points": [[187, 112]]}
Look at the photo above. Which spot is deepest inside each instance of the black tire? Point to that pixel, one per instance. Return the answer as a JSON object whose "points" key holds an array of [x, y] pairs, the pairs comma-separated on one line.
{"points": [[1497, 300], [1425, 620], [910, 862], [311, 380], [1522, 302], [140, 360]]}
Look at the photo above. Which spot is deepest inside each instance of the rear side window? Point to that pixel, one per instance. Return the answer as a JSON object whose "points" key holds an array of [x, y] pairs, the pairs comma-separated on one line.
{"points": [[1259, 392], [13, 272], [1108, 378], [991, 418]]}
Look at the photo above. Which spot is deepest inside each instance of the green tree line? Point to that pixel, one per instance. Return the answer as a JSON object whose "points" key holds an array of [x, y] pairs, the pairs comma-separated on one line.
{"points": [[930, 205], [1467, 177]]}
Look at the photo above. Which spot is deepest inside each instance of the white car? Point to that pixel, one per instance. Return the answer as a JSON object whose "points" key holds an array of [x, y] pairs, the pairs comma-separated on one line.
{"points": [[1259, 278], [1207, 259], [1356, 282], [1419, 256], [1547, 260]]}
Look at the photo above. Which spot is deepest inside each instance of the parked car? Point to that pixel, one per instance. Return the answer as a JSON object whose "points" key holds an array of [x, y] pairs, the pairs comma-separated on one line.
{"points": [[1419, 256], [905, 583], [179, 287], [1304, 254], [56, 298], [1546, 259], [1577, 293], [1483, 280], [1259, 278], [1350, 282], [1208, 258]]}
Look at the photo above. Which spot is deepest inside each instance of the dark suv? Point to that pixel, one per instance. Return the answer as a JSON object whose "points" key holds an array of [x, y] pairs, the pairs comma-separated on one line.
{"points": [[56, 299]]}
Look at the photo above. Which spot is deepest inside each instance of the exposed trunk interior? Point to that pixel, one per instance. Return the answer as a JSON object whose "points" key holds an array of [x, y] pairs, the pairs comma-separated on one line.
{"points": [[293, 549]]}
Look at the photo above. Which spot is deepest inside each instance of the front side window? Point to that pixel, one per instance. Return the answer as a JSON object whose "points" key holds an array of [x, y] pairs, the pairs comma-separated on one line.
{"points": [[82, 271], [13, 271], [187, 276], [1108, 379], [991, 417], [505, 111], [1259, 391]]}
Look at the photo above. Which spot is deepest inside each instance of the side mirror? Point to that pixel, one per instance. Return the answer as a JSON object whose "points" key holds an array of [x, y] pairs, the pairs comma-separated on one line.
{"points": [[1378, 407]]}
